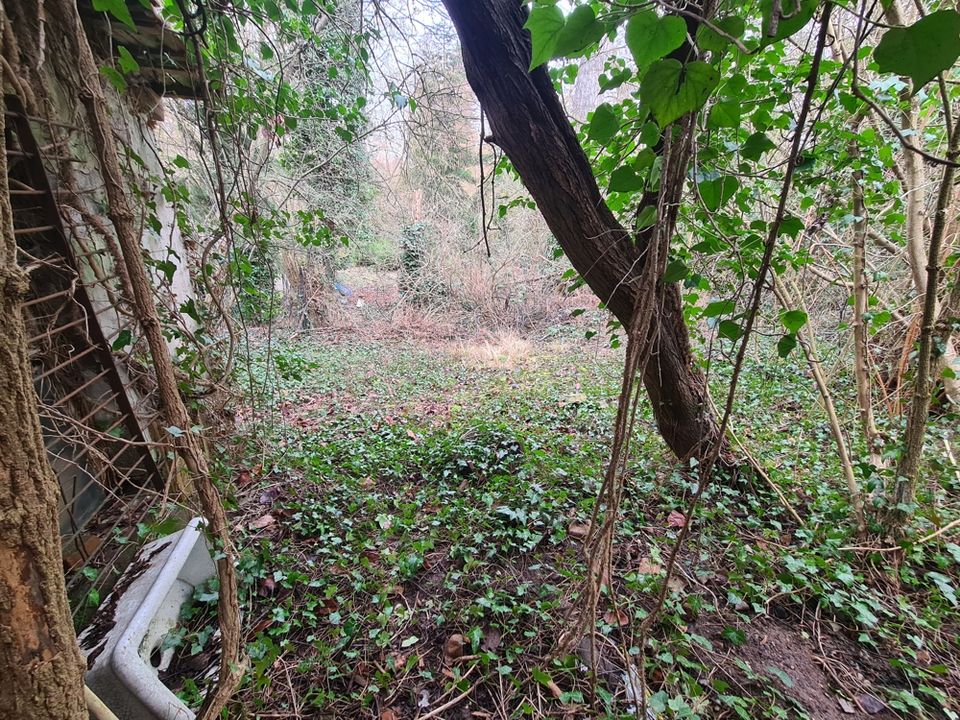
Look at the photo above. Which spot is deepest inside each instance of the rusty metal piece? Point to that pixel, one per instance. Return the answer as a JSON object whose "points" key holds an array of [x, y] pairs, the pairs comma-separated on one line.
{"points": [[33, 230], [48, 334], [45, 298], [66, 363], [69, 336]]}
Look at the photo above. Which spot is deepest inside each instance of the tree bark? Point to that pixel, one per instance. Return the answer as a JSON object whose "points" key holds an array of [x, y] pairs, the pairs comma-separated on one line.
{"points": [[905, 489], [861, 348], [529, 124], [40, 661]]}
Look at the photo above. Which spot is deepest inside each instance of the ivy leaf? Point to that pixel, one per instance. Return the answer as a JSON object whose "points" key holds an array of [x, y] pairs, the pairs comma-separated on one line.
{"points": [[718, 307], [115, 78], [650, 36], [545, 25], [646, 218], [716, 193], [709, 40], [126, 61], [756, 145], [792, 226], [945, 586], [650, 134], [725, 114], [923, 50], [123, 339], [117, 8], [645, 158], [734, 636], [793, 320], [604, 124], [541, 677], [784, 678], [729, 329], [625, 179], [580, 31], [676, 271], [672, 89], [189, 308], [786, 344], [791, 16]]}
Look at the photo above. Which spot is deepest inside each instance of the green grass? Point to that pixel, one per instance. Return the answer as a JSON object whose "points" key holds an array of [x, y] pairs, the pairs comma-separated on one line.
{"points": [[415, 496]]}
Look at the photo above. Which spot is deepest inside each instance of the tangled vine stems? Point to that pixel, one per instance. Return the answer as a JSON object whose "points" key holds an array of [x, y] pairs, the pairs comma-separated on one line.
{"points": [[188, 444], [706, 468], [641, 337], [598, 548]]}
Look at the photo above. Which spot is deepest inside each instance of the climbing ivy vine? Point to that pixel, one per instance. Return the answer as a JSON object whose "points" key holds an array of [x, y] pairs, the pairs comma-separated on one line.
{"points": [[885, 94]]}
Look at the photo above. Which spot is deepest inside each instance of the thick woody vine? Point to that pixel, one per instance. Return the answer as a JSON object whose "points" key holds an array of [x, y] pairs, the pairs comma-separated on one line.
{"points": [[187, 444]]}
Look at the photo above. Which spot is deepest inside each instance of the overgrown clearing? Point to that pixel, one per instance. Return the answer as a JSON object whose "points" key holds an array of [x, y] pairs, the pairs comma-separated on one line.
{"points": [[413, 534], [479, 359]]}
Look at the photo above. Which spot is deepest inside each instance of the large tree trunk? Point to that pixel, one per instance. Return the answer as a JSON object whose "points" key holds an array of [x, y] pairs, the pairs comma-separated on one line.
{"points": [[528, 122], [40, 663]]}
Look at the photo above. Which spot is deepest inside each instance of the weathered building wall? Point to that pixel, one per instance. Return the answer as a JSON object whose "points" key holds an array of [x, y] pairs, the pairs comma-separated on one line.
{"points": [[40, 73]]}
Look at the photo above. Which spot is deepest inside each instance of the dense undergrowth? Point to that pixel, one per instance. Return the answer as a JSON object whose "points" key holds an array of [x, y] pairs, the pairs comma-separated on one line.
{"points": [[412, 520]]}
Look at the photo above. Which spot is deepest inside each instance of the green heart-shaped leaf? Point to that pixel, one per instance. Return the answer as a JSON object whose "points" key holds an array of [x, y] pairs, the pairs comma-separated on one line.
{"points": [[671, 89], [923, 50]]}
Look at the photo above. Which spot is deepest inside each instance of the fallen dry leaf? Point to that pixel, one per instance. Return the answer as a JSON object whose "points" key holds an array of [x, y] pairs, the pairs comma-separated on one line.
{"points": [[848, 707], [491, 640], [574, 399], [264, 521], [648, 567], [359, 675], [268, 496], [260, 627], [616, 618], [870, 704], [396, 660]]}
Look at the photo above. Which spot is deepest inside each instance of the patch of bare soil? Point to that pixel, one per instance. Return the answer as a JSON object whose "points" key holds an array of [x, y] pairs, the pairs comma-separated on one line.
{"points": [[829, 677], [312, 412]]}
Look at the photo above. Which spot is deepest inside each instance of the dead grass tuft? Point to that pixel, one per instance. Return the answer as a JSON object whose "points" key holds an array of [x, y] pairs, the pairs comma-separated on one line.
{"points": [[501, 351]]}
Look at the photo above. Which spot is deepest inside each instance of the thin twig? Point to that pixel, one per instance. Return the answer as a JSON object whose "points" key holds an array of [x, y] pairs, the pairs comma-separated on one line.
{"points": [[925, 539], [450, 703]]}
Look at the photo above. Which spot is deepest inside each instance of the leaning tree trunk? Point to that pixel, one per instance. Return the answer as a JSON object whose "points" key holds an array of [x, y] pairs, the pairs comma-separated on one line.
{"points": [[40, 660], [529, 124]]}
